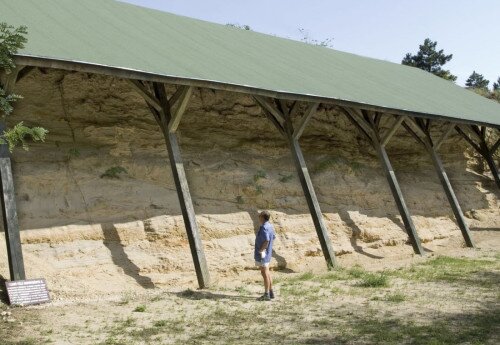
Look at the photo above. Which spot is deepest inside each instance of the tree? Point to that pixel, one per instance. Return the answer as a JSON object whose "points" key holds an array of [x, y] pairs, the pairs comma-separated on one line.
{"points": [[11, 40], [306, 38], [431, 60], [238, 26], [477, 81], [496, 85]]}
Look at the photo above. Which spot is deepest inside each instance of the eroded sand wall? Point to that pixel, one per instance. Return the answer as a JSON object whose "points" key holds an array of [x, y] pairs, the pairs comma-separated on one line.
{"points": [[75, 222]]}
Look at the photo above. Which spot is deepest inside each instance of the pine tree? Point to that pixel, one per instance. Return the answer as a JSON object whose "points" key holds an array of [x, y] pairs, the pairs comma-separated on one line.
{"points": [[477, 81], [11, 40], [496, 85], [431, 60]]}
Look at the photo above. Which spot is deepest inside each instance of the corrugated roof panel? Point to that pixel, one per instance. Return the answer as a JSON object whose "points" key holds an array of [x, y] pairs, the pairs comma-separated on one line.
{"points": [[115, 34]]}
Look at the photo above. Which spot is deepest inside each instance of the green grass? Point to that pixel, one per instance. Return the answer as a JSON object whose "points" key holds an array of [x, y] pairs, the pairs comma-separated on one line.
{"points": [[140, 309], [374, 280], [114, 172], [261, 174], [286, 178], [396, 297], [452, 270]]}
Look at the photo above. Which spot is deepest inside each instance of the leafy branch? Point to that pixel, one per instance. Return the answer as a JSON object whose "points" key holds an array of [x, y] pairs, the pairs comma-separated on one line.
{"points": [[12, 39]]}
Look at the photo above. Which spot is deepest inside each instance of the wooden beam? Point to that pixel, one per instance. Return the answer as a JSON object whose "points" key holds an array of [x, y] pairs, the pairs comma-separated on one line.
{"points": [[148, 97], [181, 186], [361, 122], [417, 126], [449, 127], [137, 75], [413, 133], [180, 109], [487, 154], [310, 194], [274, 121], [270, 108], [303, 173], [363, 125], [495, 146], [452, 199], [398, 198], [468, 130], [311, 110], [7, 197], [426, 141], [24, 72], [390, 133], [469, 140]]}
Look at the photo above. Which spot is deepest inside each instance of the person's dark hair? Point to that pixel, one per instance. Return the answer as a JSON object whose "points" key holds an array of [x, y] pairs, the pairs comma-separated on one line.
{"points": [[265, 214]]}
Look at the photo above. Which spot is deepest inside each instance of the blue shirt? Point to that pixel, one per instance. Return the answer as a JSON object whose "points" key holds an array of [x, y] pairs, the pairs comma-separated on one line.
{"points": [[266, 233]]}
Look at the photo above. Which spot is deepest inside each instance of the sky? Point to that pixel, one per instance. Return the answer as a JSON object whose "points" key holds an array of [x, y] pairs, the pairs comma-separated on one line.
{"points": [[383, 29]]}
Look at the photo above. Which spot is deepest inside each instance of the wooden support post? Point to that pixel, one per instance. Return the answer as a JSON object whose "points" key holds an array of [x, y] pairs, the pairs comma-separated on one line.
{"points": [[476, 137], [310, 194], [7, 198], [368, 128], [187, 209], [443, 177], [450, 194], [292, 137], [168, 120], [488, 156], [399, 199]]}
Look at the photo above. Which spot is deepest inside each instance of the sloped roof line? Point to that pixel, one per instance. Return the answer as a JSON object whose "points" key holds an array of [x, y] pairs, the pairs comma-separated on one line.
{"points": [[115, 38]]}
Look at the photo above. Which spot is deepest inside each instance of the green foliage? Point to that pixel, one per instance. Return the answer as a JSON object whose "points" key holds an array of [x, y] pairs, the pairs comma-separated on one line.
{"points": [[374, 280], [259, 189], [239, 200], [19, 133], [11, 40], [6, 101], [477, 81], [259, 175], [114, 172], [431, 60], [74, 152], [306, 38], [140, 309], [238, 26], [286, 178], [496, 85]]}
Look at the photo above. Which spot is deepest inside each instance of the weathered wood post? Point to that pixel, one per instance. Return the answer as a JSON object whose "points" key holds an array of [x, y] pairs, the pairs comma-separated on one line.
{"points": [[367, 125], [281, 117], [168, 114], [7, 198], [476, 137], [431, 147]]}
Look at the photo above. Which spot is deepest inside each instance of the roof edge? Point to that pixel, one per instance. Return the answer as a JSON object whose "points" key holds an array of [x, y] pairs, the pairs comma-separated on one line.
{"points": [[124, 73]]}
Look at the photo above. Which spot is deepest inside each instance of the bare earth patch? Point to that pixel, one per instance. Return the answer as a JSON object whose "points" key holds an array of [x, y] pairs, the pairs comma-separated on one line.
{"points": [[450, 297]]}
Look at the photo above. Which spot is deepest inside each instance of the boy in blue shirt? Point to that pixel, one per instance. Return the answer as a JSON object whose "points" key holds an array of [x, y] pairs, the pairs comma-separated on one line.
{"points": [[263, 253]]}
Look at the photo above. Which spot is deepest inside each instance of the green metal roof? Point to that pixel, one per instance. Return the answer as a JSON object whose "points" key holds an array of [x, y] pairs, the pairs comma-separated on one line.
{"points": [[115, 37]]}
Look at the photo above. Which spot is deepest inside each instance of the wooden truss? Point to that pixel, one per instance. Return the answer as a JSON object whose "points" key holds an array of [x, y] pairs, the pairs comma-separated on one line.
{"points": [[420, 130], [367, 123], [168, 112], [476, 137], [281, 115]]}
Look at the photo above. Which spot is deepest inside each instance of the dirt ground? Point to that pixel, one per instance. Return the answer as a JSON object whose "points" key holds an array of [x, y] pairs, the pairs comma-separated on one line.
{"points": [[380, 296]]}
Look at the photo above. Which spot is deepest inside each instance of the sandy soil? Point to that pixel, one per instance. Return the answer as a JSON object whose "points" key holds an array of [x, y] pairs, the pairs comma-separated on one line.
{"points": [[188, 316]]}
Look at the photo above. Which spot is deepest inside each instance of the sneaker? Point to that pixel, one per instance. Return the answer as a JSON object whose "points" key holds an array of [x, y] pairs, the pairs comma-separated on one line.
{"points": [[271, 294], [264, 297]]}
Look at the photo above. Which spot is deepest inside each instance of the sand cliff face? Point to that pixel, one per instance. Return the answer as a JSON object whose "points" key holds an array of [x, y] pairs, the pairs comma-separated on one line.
{"points": [[77, 223]]}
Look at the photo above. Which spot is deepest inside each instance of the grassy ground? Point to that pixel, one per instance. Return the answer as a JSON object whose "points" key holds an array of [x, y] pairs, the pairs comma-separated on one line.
{"points": [[440, 301]]}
